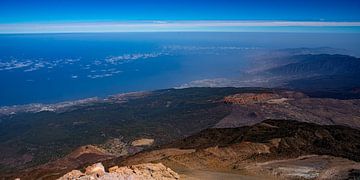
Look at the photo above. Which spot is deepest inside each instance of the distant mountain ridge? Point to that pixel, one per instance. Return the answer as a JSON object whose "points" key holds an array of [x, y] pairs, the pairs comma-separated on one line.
{"points": [[320, 72], [321, 75], [319, 65]]}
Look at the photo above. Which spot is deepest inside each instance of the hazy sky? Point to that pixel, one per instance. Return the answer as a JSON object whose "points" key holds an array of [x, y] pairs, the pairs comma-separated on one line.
{"points": [[35, 13]]}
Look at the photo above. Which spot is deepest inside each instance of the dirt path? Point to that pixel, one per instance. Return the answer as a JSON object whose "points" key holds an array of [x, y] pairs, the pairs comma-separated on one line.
{"points": [[210, 175]]}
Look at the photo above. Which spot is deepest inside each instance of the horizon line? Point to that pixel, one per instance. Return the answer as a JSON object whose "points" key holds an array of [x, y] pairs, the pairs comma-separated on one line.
{"points": [[180, 26]]}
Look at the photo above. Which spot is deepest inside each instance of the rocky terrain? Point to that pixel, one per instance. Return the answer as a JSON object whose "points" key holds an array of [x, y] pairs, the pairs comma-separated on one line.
{"points": [[231, 133], [80, 157], [33, 138], [271, 149], [248, 109], [142, 171]]}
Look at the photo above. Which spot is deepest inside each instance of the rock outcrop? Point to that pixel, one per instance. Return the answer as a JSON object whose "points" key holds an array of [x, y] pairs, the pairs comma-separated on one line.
{"points": [[265, 97], [143, 142], [136, 172], [250, 98], [80, 157], [251, 108]]}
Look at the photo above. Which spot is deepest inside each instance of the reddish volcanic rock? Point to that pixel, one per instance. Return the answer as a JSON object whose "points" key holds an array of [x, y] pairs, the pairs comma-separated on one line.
{"points": [[250, 98], [136, 172]]}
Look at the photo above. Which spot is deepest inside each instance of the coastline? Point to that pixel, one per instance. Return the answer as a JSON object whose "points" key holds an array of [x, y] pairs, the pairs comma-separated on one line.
{"points": [[67, 105]]}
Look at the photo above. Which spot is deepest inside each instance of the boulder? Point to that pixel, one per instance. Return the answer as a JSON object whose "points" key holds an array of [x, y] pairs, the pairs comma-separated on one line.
{"points": [[148, 171], [95, 170]]}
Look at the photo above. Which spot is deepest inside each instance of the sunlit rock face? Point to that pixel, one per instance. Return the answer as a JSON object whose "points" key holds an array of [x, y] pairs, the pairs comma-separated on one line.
{"points": [[142, 171]]}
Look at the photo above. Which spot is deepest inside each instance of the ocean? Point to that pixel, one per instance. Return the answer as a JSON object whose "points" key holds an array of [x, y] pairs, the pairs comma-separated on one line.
{"points": [[49, 68]]}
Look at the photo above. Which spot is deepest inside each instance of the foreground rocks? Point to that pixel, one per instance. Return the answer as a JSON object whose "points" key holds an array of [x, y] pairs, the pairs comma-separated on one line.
{"points": [[273, 149], [136, 172], [319, 167]]}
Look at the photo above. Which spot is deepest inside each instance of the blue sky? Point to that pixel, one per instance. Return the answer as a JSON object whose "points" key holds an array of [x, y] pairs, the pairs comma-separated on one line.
{"points": [[100, 11]]}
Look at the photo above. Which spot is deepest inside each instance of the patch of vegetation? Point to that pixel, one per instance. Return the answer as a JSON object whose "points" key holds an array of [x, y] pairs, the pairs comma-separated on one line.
{"points": [[163, 115]]}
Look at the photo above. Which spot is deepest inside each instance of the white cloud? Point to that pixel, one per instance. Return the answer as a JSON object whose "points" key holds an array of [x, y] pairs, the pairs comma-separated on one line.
{"points": [[131, 57], [163, 26]]}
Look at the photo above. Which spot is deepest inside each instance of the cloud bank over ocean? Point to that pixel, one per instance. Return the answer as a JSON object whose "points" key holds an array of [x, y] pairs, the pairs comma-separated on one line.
{"points": [[182, 26]]}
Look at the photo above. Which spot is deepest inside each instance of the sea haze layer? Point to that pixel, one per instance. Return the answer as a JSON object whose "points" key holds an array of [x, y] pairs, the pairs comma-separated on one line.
{"points": [[47, 68]]}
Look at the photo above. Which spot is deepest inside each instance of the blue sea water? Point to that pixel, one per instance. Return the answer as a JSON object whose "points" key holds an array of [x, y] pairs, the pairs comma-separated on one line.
{"points": [[48, 68]]}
